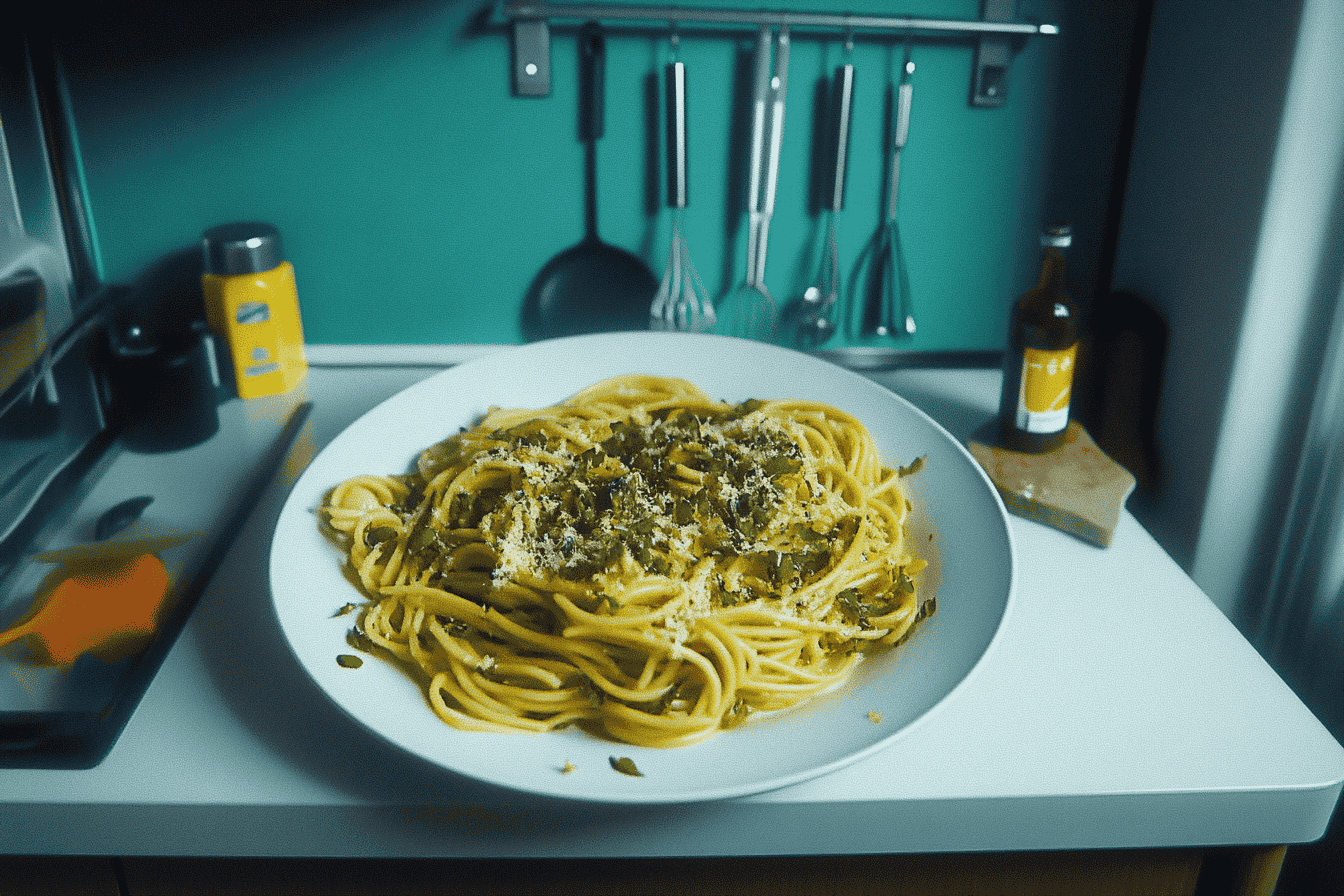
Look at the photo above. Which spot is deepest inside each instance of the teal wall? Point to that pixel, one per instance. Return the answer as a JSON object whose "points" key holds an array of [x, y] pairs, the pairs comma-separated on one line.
{"points": [[418, 197]]}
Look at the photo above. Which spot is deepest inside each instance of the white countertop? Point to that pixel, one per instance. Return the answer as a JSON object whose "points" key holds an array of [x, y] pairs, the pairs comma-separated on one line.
{"points": [[1119, 709]]}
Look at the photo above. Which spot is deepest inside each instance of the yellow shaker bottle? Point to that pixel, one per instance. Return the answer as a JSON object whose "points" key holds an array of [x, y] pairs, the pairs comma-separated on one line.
{"points": [[251, 302]]}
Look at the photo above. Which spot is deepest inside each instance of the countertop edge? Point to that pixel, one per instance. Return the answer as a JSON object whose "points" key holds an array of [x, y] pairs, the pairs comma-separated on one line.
{"points": [[468, 831]]}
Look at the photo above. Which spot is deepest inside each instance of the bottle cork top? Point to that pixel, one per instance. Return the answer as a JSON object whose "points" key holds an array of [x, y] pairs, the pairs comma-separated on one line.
{"points": [[1058, 236]]}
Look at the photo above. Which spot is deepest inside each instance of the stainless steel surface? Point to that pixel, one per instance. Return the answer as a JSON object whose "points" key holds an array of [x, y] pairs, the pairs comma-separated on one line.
{"points": [[54, 419], [192, 503], [815, 322], [881, 286], [683, 14], [906, 314], [750, 309], [682, 302], [11, 223], [242, 248], [49, 409], [996, 41], [32, 234], [778, 95]]}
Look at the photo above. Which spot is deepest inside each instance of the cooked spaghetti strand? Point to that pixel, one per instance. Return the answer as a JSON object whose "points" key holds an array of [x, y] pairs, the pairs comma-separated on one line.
{"points": [[640, 559]]}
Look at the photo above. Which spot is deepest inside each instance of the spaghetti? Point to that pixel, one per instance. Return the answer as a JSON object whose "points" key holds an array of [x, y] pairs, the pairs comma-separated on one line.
{"points": [[640, 560]]}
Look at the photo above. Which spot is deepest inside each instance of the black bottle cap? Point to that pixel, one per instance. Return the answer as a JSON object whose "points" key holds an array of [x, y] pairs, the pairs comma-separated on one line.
{"points": [[248, 247]]}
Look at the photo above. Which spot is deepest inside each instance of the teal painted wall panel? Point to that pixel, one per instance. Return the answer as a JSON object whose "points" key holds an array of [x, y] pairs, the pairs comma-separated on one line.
{"points": [[418, 197]]}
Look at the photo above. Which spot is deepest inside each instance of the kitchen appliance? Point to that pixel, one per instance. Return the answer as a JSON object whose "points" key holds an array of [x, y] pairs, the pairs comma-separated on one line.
{"points": [[117, 434]]}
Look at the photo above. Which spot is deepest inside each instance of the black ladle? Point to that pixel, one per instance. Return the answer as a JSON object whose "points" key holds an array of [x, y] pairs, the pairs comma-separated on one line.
{"points": [[592, 286]]}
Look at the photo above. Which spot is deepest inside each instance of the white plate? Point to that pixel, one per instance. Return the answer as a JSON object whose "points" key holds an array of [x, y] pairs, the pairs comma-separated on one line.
{"points": [[971, 572]]}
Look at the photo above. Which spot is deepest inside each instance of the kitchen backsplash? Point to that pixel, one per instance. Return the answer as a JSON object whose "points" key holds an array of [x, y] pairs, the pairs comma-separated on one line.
{"points": [[418, 197]]}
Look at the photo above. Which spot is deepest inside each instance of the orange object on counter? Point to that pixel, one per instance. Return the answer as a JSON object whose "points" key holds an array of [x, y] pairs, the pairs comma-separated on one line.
{"points": [[102, 608], [252, 303]]}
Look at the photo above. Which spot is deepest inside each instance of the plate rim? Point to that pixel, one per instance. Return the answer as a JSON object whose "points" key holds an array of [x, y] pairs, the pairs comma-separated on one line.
{"points": [[692, 795]]}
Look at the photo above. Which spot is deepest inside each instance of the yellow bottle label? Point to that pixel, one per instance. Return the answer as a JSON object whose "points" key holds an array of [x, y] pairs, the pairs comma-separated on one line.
{"points": [[1047, 385], [258, 316]]}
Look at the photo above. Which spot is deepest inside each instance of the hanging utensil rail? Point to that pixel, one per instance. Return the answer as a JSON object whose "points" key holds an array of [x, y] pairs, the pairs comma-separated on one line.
{"points": [[757, 17], [531, 33]]}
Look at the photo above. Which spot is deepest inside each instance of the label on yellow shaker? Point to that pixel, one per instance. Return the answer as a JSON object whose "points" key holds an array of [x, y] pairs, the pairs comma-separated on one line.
{"points": [[258, 316], [1047, 385]]}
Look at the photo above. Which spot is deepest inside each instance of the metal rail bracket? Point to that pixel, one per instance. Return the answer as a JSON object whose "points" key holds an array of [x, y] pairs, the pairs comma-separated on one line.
{"points": [[995, 36], [993, 57], [531, 57]]}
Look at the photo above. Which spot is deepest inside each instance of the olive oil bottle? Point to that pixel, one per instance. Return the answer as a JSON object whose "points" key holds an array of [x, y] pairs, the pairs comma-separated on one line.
{"points": [[1042, 355]]}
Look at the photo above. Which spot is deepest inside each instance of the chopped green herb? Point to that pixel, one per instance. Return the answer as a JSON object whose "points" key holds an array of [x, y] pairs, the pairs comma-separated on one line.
{"points": [[626, 766], [349, 661], [736, 714], [379, 534]]}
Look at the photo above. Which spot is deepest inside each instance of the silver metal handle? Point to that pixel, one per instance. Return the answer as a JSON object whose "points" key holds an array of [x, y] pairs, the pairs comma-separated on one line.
{"points": [[904, 94], [900, 134], [778, 90], [676, 135], [844, 98], [760, 99]]}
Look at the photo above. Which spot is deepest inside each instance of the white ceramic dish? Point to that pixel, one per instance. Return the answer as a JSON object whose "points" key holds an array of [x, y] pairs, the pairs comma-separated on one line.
{"points": [[971, 573]]}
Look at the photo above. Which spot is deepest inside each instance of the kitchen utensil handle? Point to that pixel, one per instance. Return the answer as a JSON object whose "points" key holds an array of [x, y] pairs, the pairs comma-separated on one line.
{"points": [[900, 134], [592, 81], [904, 93], [676, 135], [760, 100], [760, 93], [843, 97], [778, 91]]}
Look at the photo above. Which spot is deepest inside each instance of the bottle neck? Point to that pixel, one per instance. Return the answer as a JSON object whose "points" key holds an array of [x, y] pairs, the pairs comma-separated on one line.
{"points": [[1052, 269]]}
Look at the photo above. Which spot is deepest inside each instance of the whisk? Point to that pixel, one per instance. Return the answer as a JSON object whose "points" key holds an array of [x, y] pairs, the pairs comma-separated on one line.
{"points": [[880, 276], [681, 302]]}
